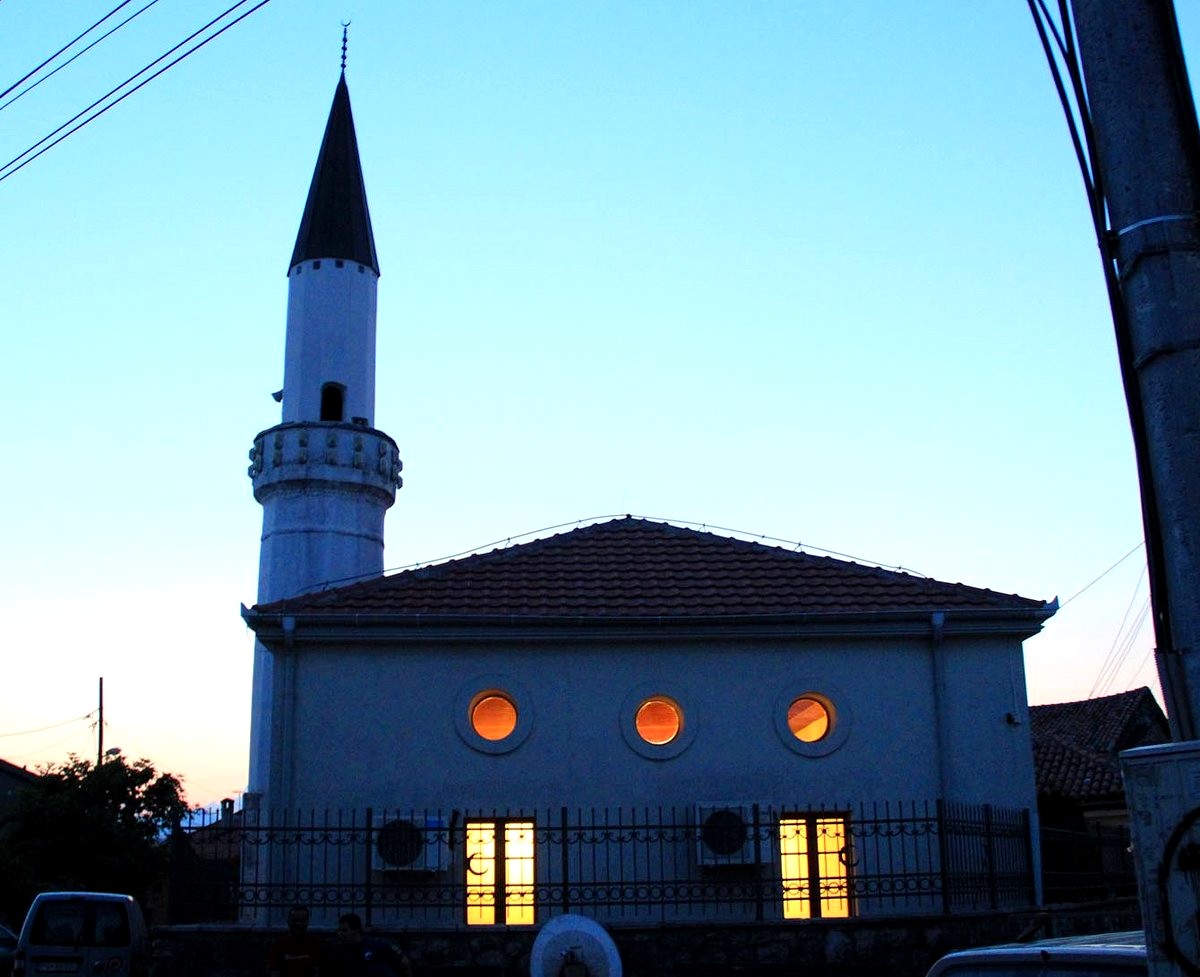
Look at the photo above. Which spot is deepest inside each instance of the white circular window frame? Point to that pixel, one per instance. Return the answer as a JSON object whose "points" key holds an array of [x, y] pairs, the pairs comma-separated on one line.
{"points": [[834, 701], [629, 710], [481, 685]]}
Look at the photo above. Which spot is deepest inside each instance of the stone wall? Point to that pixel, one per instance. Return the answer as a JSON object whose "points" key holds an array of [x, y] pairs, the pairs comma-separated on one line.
{"points": [[819, 948]]}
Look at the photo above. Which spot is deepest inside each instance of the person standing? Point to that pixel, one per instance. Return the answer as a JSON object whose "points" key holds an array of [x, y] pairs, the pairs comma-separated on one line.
{"points": [[297, 953], [359, 955]]}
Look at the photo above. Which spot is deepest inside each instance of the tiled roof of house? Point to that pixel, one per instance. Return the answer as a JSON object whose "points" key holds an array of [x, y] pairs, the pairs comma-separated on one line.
{"points": [[1075, 744], [634, 568], [1065, 770]]}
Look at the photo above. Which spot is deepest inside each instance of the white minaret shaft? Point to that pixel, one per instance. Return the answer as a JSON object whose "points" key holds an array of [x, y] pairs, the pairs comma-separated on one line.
{"points": [[325, 476]]}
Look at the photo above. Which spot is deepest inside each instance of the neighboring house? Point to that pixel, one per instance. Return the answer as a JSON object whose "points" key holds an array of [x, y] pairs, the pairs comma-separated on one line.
{"points": [[12, 779], [632, 719], [1075, 747], [1081, 799]]}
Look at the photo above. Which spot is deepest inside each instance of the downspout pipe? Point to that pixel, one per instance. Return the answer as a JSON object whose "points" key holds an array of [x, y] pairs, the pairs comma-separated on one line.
{"points": [[937, 631]]}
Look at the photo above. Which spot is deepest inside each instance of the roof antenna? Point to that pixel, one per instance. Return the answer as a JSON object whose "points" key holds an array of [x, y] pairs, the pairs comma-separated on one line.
{"points": [[345, 29]]}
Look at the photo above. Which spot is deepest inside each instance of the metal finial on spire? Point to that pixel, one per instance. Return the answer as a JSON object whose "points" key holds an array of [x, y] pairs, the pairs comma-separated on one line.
{"points": [[345, 30]]}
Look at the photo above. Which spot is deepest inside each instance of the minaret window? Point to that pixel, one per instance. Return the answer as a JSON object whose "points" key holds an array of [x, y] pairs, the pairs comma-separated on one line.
{"points": [[333, 402]]}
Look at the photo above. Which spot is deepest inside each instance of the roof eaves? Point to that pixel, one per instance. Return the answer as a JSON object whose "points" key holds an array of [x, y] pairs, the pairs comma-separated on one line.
{"points": [[272, 626]]}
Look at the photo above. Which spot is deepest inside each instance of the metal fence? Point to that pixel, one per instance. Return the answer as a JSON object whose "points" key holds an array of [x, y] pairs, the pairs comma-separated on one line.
{"points": [[1087, 864], [445, 869]]}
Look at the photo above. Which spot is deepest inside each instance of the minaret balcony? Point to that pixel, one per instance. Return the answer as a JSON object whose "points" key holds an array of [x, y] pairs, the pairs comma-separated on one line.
{"points": [[325, 451]]}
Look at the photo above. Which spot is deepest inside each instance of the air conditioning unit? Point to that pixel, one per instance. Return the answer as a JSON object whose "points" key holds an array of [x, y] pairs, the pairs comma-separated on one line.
{"points": [[414, 843], [725, 835]]}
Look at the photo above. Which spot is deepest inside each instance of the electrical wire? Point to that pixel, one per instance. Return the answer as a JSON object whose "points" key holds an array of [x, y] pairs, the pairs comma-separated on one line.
{"points": [[30, 74], [1122, 644], [1103, 575], [42, 729], [12, 170], [79, 54]]}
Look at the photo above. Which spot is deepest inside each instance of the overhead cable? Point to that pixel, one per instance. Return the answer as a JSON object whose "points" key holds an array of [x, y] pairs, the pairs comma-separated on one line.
{"points": [[65, 722], [78, 54], [30, 74], [12, 166]]}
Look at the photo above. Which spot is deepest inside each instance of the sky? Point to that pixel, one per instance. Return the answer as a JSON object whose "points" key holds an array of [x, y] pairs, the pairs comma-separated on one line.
{"points": [[815, 271]]}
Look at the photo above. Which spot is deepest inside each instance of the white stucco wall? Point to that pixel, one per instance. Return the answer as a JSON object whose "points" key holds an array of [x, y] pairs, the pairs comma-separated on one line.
{"points": [[379, 725], [330, 338]]}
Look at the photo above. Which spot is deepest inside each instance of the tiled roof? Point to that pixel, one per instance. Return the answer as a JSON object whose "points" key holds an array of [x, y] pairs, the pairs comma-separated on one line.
{"points": [[1107, 724], [1065, 770], [1075, 744], [633, 568]]}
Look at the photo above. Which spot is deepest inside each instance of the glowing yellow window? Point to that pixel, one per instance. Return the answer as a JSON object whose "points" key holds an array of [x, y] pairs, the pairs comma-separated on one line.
{"points": [[493, 715], [500, 872], [809, 719], [813, 867], [659, 720]]}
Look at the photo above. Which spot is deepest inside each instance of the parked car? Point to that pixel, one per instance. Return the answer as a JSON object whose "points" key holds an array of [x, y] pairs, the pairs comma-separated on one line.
{"points": [[8, 947], [1106, 955], [83, 933]]}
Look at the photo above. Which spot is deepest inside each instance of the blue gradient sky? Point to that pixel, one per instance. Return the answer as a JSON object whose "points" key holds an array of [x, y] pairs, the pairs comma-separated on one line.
{"points": [[816, 270]]}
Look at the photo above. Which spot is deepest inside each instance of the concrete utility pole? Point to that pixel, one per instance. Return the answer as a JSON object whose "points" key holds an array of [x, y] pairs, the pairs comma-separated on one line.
{"points": [[1146, 160]]}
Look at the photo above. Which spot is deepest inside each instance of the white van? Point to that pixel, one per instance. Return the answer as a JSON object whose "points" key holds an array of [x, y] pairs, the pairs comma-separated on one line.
{"points": [[1106, 955], [83, 933]]}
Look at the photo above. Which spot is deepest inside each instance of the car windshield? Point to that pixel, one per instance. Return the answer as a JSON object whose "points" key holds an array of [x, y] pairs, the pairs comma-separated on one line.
{"points": [[80, 924]]}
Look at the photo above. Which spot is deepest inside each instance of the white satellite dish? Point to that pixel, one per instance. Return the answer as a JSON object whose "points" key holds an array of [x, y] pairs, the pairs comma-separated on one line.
{"points": [[571, 939]]}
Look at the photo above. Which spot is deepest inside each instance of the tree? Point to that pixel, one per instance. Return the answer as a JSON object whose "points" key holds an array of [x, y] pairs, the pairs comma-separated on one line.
{"points": [[87, 827]]}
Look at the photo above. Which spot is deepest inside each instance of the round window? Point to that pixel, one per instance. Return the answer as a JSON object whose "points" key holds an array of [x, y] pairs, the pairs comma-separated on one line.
{"points": [[659, 720], [493, 716], [811, 723], [809, 719]]}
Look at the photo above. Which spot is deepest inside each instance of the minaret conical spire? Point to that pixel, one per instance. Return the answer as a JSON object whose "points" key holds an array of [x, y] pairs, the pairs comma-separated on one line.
{"points": [[336, 221]]}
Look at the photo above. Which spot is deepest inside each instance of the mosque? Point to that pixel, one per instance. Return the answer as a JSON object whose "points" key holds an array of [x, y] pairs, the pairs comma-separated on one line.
{"points": [[766, 696]]}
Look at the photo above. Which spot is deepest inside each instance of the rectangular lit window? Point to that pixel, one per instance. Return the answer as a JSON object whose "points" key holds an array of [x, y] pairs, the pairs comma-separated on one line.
{"points": [[500, 872], [813, 859]]}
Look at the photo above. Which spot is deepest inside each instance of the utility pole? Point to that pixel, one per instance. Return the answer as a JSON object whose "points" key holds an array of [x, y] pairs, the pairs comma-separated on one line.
{"points": [[1146, 158], [1142, 170], [100, 727]]}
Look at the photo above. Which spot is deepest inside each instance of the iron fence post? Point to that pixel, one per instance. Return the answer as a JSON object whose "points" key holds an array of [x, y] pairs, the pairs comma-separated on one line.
{"points": [[758, 887], [1030, 861], [989, 834], [944, 854], [368, 887], [566, 863]]}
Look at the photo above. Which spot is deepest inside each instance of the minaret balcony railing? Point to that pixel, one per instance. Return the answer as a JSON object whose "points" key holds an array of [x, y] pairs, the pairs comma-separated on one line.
{"points": [[325, 451]]}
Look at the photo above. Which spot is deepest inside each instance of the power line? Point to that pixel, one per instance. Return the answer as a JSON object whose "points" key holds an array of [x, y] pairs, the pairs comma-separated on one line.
{"points": [[1122, 642], [30, 74], [140, 85], [46, 77], [65, 722], [1138, 546]]}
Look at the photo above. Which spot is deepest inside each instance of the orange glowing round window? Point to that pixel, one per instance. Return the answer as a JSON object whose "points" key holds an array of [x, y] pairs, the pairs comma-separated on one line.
{"points": [[809, 719], [493, 716], [659, 720]]}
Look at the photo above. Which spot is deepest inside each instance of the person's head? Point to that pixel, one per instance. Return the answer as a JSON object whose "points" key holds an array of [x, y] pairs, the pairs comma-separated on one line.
{"points": [[298, 919], [350, 928]]}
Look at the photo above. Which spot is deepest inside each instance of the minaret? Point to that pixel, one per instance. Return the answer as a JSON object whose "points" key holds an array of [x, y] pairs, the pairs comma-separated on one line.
{"points": [[325, 476]]}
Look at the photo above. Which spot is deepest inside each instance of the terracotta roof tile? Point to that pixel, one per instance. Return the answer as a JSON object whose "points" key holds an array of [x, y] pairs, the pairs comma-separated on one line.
{"points": [[1075, 744], [634, 568]]}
